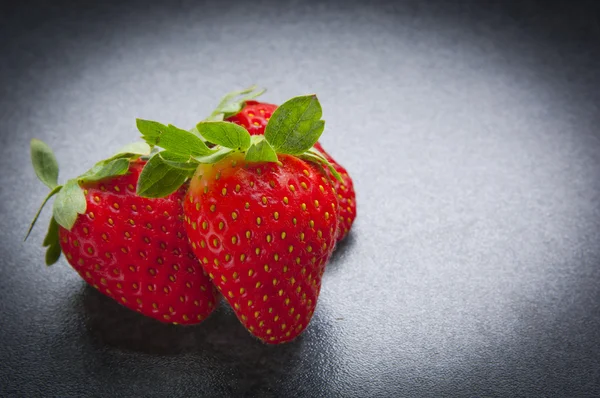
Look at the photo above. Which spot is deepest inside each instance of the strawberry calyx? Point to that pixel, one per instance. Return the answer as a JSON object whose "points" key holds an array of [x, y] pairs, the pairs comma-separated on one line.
{"points": [[70, 199], [293, 129]]}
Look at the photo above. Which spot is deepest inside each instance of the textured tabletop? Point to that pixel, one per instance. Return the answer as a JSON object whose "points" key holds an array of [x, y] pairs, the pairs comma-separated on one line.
{"points": [[471, 130]]}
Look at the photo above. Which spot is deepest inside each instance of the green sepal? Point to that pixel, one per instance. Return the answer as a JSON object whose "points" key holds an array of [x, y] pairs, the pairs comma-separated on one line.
{"points": [[52, 234], [180, 162], [296, 125], [116, 165], [132, 150], [44, 163], [215, 157], [233, 102], [52, 242], [37, 215], [105, 169], [69, 202], [159, 179], [172, 138], [315, 156], [195, 131], [215, 117], [152, 152], [52, 254], [225, 134], [261, 151]]}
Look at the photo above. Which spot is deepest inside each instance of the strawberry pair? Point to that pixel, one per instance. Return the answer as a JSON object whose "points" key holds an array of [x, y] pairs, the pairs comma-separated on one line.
{"points": [[160, 224]]}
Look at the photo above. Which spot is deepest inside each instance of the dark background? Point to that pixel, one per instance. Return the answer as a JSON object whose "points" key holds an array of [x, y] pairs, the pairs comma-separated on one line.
{"points": [[471, 130]]}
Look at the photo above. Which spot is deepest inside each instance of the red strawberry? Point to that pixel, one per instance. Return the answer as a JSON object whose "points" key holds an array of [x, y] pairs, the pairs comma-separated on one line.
{"points": [[254, 116], [134, 249], [346, 195], [264, 232], [260, 214]]}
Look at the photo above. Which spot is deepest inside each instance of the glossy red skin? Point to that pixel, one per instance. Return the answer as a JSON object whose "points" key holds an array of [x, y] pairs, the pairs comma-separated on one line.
{"points": [[250, 117], [345, 192], [269, 273], [135, 251], [254, 116]]}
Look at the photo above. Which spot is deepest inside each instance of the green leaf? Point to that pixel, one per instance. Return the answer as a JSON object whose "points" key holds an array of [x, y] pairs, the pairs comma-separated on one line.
{"points": [[296, 125], [215, 117], [197, 146], [52, 242], [44, 163], [215, 157], [316, 157], [172, 138], [179, 161], [52, 254], [261, 152], [52, 234], [150, 130], [226, 134], [159, 179], [233, 102], [133, 150], [105, 169], [195, 131], [116, 165], [175, 157], [154, 151], [69, 202], [37, 215]]}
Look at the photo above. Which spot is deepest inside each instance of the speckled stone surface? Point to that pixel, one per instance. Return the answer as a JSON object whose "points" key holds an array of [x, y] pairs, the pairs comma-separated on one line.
{"points": [[471, 132]]}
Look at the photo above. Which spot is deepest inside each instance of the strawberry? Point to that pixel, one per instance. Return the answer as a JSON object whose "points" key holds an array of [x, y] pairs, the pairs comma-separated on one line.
{"points": [[264, 232], [255, 115], [260, 213], [130, 248], [346, 195]]}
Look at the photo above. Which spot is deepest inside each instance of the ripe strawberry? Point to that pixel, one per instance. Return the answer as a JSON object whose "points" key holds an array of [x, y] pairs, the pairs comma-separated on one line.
{"points": [[254, 116], [264, 232], [134, 249], [346, 195], [260, 214]]}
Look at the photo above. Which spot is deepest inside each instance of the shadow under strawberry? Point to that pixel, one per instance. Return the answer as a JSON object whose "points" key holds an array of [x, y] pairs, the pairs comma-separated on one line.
{"points": [[221, 334], [342, 249], [220, 346]]}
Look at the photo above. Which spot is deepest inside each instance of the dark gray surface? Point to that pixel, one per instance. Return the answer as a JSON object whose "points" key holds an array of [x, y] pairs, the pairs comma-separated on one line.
{"points": [[471, 131]]}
